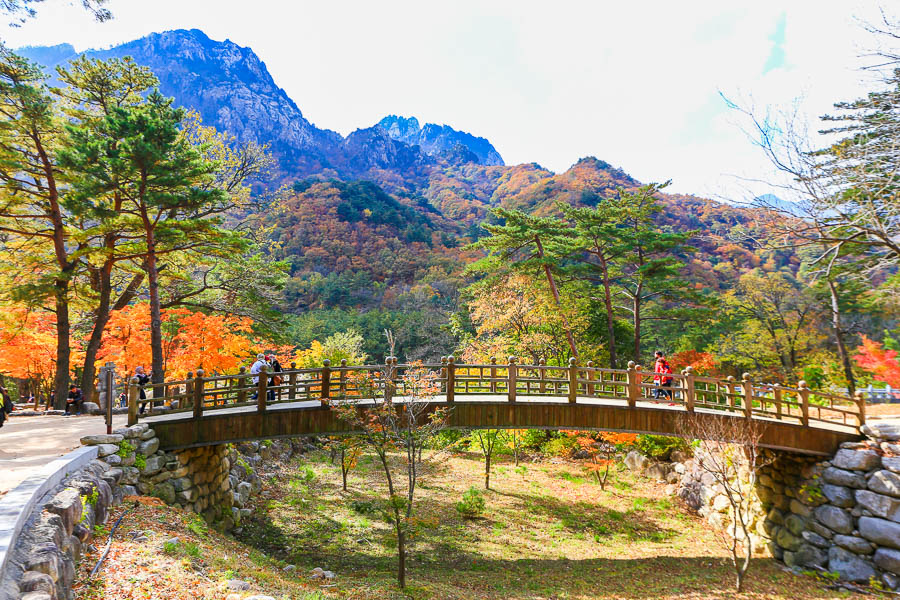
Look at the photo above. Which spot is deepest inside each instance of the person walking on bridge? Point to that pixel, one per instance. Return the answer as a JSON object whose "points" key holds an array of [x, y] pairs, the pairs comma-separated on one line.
{"points": [[661, 379], [143, 379]]}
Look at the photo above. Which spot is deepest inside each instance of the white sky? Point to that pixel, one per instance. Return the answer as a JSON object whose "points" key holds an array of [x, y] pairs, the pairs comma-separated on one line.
{"points": [[633, 83]]}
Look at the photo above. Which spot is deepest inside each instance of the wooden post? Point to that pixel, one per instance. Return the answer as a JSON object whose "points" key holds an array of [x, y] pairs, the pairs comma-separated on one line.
{"points": [[493, 375], [804, 403], [747, 387], [690, 397], [776, 391], [573, 380], [444, 374], [134, 394], [861, 403], [292, 383], [633, 384], [342, 379], [590, 377], [326, 381], [451, 378], [198, 394], [242, 384], [732, 390], [261, 392], [511, 379], [542, 374]]}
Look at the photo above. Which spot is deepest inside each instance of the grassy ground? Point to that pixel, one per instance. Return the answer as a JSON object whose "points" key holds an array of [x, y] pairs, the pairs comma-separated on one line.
{"points": [[548, 532]]}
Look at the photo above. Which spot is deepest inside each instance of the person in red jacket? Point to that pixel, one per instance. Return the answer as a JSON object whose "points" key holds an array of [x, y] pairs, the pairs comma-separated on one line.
{"points": [[663, 383]]}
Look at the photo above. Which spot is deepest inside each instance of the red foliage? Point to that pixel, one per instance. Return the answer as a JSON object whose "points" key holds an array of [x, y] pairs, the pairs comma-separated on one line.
{"points": [[883, 364]]}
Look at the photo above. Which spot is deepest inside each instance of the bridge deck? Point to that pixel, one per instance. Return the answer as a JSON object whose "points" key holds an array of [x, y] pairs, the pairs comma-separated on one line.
{"points": [[287, 419]]}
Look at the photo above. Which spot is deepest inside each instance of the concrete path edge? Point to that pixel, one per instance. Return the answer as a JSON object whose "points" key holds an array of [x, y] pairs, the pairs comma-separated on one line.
{"points": [[18, 504]]}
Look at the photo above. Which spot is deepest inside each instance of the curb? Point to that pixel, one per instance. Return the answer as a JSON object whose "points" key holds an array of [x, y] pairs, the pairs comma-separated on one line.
{"points": [[18, 504]]}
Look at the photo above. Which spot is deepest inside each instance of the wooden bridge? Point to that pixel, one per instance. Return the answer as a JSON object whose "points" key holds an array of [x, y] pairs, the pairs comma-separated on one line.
{"points": [[202, 410]]}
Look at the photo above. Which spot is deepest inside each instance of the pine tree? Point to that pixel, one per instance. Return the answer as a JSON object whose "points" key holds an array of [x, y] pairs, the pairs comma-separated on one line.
{"points": [[522, 241]]}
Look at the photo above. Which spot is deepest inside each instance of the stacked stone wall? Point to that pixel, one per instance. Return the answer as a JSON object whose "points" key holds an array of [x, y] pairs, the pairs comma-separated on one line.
{"points": [[216, 482]]}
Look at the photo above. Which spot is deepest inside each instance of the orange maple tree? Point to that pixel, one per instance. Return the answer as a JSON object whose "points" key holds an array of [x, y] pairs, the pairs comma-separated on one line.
{"points": [[703, 363], [28, 347], [601, 450], [218, 344], [882, 363]]}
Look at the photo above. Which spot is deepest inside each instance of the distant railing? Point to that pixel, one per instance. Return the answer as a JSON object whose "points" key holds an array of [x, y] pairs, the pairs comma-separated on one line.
{"points": [[511, 382]]}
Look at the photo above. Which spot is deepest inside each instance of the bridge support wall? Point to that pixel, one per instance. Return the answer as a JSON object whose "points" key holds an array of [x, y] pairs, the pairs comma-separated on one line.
{"points": [[841, 515]]}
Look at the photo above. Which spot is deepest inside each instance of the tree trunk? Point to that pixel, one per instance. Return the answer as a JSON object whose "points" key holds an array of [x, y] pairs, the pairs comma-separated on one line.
{"points": [[401, 554], [343, 470], [101, 318], [552, 281], [156, 349], [607, 299], [636, 304], [487, 471], [839, 336], [63, 328]]}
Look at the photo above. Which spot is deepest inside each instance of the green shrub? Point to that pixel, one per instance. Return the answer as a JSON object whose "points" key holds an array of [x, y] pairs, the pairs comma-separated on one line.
{"points": [[472, 503], [659, 447], [364, 507], [125, 448], [560, 446], [140, 461]]}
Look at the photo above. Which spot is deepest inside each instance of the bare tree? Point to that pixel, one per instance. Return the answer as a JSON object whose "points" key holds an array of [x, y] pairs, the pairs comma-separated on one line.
{"points": [[487, 439], [729, 451], [398, 417]]}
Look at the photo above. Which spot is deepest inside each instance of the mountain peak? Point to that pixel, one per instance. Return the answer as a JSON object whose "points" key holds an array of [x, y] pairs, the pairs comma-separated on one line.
{"points": [[439, 139]]}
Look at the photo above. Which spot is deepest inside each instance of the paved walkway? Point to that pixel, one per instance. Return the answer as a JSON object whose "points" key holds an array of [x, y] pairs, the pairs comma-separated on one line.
{"points": [[28, 443]]}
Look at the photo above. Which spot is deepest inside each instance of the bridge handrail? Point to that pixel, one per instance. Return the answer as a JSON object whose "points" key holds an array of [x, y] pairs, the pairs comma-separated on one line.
{"points": [[201, 393]]}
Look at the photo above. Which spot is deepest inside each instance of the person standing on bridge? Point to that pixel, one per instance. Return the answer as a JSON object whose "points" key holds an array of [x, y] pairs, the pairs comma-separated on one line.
{"points": [[255, 369], [143, 379], [663, 383]]}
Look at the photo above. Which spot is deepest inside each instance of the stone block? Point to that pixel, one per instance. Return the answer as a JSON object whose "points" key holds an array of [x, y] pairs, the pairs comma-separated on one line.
{"points": [[44, 558], [186, 496], [160, 477], [844, 478], [182, 483], [154, 464], [115, 474], [854, 544], [37, 596], [885, 482], [66, 504], [165, 491], [880, 531], [891, 463], [856, 460], [834, 518], [815, 539], [817, 527], [849, 566], [83, 534], [798, 508], [879, 505], [102, 438], [889, 432], [106, 449], [113, 460], [148, 447], [805, 556], [795, 524], [888, 559], [35, 581], [130, 475], [785, 539], [838, 495], [146, 435], [128, 461], [634, 460]]}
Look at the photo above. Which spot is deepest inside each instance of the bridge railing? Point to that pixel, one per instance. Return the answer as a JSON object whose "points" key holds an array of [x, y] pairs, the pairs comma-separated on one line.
{"points": [[512, 382]]}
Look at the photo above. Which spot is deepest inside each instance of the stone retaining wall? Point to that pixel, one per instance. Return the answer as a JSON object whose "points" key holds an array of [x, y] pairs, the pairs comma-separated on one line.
{"points": [[840, 515], [213, 481]]}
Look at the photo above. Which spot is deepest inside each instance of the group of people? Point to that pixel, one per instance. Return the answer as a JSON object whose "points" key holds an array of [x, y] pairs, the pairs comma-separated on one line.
{"points": [[662, 377], [270, 362]]}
